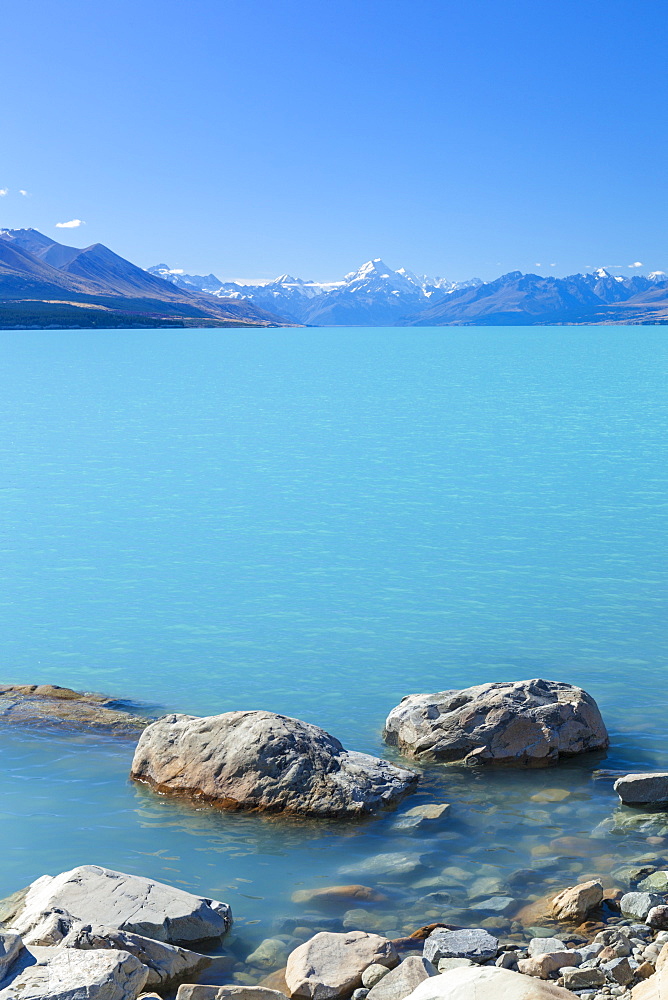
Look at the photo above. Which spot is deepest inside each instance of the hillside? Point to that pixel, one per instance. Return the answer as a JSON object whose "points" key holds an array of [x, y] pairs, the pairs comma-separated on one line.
{"points": [[42, 282]]}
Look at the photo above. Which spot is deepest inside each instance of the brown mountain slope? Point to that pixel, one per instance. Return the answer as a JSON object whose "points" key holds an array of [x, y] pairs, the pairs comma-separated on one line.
{"points": [[95, 278]]}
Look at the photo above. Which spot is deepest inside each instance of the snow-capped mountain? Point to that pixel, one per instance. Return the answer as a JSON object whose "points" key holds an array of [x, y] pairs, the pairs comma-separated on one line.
{"points": [[373, 295]]}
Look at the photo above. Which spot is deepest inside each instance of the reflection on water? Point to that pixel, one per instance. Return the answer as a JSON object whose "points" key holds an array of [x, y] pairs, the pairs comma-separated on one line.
{"points": [[318, 523]]}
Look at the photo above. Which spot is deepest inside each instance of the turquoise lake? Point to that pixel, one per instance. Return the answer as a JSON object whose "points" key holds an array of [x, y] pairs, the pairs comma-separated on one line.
{"points": [[318, 522]]}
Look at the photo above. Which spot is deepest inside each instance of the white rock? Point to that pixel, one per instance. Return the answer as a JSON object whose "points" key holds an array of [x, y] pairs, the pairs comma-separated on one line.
{"points": [[331, 965], [10, 946], [165, 962], [80, 975], [95, 895], [487, 983]]}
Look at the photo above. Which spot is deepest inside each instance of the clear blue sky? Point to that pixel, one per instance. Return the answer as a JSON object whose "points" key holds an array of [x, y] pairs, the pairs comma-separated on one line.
{"points": [[253, 137]]}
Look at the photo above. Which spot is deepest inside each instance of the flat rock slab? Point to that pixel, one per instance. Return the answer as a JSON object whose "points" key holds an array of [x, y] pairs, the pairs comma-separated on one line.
{"points": [[644, 789], [488, 983], [476, 944], [263, 761], [331, 965], [95, 895], [35, 704], [79, 975], [525, 723]]}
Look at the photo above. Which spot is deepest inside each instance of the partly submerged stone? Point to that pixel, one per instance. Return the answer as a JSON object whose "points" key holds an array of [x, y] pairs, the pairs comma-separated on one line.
{"points": [[259, 760], [649, 789], [577, 901], [80, 975], [96, 895], [35, 704], [637, 905], [331, 965], [487, 983], [531, 722]]}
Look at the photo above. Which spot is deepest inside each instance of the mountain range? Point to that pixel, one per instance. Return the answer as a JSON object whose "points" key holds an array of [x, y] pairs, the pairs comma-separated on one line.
{"points": [[47, 284], [44, 283], [375, 295]]}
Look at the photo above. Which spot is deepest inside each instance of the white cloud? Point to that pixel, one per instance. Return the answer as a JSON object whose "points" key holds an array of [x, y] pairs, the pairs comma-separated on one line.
{"points": [[3, 192], [538, 265], [24, 193], [637, 264], [72, 224]]}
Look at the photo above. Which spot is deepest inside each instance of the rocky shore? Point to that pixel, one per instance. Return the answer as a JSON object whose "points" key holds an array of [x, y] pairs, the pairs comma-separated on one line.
{"points": [[95, 934]]}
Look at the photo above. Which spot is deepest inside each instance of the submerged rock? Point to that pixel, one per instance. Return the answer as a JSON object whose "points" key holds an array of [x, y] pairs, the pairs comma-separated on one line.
{"points": [[259, 760], [523, 723], [389, 864], [644, 789], [96, 895], [332, 896], [35, 704], [331, 965]]}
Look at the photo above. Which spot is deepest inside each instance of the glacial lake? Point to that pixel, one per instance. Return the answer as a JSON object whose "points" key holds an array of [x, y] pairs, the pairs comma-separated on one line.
{"points": [[318, 522]]}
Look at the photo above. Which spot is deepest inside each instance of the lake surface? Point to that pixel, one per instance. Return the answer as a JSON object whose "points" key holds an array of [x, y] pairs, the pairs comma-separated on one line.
{"points": [[318, 522]]}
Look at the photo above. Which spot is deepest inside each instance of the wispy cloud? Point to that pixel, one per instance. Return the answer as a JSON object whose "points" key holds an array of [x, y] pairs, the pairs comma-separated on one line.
{"points": [[3, 192], [24, 193], [72, 224], [637, 264]]}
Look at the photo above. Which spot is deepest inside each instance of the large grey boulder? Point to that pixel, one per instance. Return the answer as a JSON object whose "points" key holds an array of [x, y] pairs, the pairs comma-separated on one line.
{"points": [[476, 944], [403, 979], [94, 895], [331, 965], [649, 789], [259, 760], [531, 722], [80, 975], [166, 963]]}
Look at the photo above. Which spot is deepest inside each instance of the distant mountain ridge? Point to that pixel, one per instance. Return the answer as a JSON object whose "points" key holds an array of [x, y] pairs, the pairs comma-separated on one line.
{"points": [[375, 295], [43, 282]]}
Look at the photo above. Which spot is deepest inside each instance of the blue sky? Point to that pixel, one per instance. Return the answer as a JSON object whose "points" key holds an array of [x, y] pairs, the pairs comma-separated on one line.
{"points": [[254, 137]]}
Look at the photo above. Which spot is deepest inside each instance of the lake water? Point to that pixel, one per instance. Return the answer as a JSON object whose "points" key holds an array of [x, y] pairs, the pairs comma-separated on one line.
{"points": [[318, 522]]}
